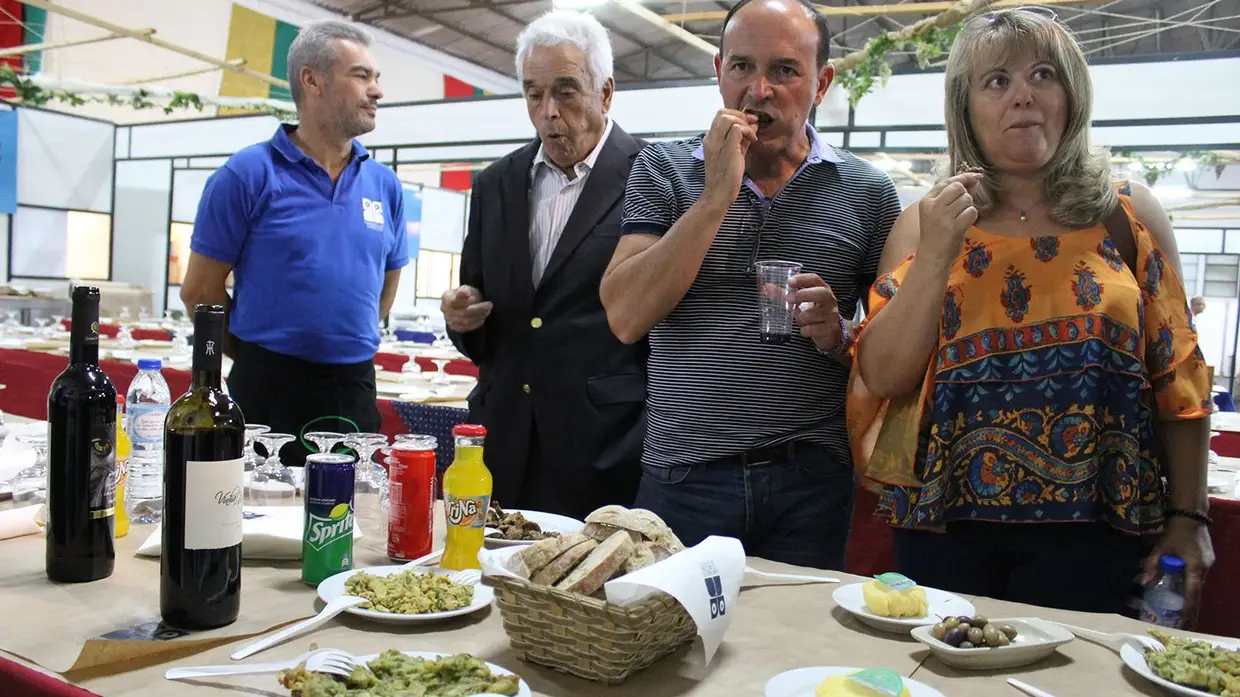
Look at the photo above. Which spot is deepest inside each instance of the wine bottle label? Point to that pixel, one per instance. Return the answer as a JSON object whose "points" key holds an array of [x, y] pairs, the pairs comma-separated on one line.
{"points": [[103, 467], [213, 503]]}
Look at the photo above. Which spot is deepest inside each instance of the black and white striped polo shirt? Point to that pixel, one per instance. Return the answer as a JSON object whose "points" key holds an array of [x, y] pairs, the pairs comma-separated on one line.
{"points": [[714, 390]]}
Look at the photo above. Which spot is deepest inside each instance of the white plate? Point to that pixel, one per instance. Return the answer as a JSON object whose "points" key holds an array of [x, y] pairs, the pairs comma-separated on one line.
{"points": [[942, 604], [803, 682], [1035, 640], [549, 522], [523, 690], [1134, 658], [1218, 482], [333, 588]]}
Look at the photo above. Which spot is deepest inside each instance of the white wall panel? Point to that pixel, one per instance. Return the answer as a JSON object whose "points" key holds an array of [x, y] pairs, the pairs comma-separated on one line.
{"points": [[932, 140], [1198, 134], [140, 244], [64, 161], [1159, 90], [1199, 241], [461, 153], [207, 162], [39, 242], [122, 142], [187, 187], [866, 139], [443, 219], [223, 136]]}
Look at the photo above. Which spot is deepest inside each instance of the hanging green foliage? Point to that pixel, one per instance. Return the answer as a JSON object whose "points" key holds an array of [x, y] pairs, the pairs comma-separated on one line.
{"points": [[1154, 170], [928, 45], [32, 94]]}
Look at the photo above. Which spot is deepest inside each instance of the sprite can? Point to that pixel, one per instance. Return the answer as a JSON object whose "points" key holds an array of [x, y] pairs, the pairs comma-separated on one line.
{"points": [[327, 540]]}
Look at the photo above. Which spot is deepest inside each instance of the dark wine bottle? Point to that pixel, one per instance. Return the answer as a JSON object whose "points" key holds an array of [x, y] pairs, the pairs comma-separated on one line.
{"points": [[81, 463], [204, 480]]}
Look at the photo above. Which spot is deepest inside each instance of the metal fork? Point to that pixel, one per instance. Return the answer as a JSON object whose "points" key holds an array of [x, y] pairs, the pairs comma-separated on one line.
{"points": [[468, 577], [330, 661], [1114, 640]]}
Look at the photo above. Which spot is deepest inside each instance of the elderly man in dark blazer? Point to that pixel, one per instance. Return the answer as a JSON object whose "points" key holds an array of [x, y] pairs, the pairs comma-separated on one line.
{"points": [[562, 398]]}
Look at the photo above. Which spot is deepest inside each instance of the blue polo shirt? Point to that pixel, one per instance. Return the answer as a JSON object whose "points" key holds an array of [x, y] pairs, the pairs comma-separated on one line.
{"points": [[308, 256]]}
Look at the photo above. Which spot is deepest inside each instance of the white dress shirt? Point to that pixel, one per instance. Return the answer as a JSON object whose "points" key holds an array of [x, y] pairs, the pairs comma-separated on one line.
{"points": [[552, 199]]}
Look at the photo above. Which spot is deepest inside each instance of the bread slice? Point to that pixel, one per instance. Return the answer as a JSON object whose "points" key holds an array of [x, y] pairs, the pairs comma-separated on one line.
{"points": [[656, 530], [646, 554], [533, 558], [564, 563], [599, 532], [598, 567], [645, 525]]}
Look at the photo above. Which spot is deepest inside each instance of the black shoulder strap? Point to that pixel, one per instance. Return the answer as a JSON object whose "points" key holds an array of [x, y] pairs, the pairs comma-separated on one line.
{"points": [[1119, 228]]}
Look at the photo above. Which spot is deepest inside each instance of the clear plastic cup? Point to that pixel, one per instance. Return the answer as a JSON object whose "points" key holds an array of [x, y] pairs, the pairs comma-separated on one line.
{"points": [[775, 302]]}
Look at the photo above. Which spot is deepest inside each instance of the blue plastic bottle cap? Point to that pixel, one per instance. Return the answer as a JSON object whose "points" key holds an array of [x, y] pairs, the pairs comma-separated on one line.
{"points": [[1171, 564], [150, 364]]}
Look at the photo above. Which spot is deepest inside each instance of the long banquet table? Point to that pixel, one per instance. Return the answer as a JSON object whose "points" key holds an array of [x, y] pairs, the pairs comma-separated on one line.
{"points": [[778, 626]]}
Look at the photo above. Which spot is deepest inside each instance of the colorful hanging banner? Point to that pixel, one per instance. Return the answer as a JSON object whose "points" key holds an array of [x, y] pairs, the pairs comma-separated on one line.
{"points": [[263, 43], [8, 161]]}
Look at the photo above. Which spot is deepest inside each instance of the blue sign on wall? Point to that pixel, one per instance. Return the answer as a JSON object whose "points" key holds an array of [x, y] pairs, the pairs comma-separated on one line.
{"points": [[8, 161], [413, 220]]}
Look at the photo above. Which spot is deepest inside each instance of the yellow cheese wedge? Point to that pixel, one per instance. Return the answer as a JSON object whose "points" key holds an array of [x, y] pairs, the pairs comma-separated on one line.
{"points": [[841, 686], [885, 602]]}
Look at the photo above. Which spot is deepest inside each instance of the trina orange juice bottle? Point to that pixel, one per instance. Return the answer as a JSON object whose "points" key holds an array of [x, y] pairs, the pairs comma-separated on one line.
{"points": [[467, 496]]}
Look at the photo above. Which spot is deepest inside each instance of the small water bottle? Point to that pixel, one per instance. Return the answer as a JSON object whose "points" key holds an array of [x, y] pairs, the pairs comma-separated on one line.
{"points": [[1163, 604], [147, 405]]}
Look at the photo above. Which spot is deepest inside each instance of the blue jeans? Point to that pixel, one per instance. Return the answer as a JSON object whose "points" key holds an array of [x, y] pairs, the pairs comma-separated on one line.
{"points": [[796, 510]]}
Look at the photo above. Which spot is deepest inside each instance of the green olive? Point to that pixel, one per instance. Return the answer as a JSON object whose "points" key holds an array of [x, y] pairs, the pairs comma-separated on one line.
{"points": [[991, 635], [951, 622], [965, 626], [1004, 640], [1008, 630], [938, 631], [980, 621], [976, 636], [967, 645]]}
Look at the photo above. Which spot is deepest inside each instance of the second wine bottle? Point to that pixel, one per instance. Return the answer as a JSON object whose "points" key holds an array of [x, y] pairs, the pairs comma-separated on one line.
{"points": [[204, 479]]}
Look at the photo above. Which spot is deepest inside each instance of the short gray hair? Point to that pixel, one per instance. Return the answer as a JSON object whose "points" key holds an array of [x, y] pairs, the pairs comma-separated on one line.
{"points": [[315, 47], [580, 29]]}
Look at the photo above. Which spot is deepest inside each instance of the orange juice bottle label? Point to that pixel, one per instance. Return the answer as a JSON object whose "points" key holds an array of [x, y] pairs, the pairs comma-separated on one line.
{"points": [[467, 511]]}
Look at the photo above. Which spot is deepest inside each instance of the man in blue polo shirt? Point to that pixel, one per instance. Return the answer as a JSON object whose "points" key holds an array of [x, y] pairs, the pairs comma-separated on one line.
{"points": [[313, 232]]}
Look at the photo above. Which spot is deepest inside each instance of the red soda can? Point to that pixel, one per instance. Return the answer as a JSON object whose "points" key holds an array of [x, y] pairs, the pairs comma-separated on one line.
{"points": [[411, 498]]}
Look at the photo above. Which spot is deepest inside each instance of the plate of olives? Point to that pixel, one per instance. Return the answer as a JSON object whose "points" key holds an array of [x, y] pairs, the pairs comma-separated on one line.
{"points": [[979, 643]]}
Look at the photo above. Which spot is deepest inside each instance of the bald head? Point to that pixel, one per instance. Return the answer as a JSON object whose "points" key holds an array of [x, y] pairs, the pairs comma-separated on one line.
{"points": [[781, 19]]}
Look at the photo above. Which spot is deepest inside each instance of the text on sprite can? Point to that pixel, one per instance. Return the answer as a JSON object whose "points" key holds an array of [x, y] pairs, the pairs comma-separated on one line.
{"points": [[327, 540]]}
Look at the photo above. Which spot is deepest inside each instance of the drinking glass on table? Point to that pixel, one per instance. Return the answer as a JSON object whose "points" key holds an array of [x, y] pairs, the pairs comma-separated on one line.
{"points": [[251, 457], [30, 484], [370, 478], [441, 364], [325, 441], [775, 302], [272, 482]]}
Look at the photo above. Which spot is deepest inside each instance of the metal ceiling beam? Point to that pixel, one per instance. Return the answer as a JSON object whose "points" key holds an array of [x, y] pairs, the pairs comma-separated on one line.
{"points": [[654, 50], [867, 10], [148, 38], [659, 22]]}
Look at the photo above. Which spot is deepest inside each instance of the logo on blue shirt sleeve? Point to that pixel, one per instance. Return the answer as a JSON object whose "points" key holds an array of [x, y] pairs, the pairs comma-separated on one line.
{"points": [[372, 213]]}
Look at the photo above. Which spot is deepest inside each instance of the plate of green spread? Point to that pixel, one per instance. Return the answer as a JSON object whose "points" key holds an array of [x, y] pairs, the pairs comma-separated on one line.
{"points": [[398, 673]]}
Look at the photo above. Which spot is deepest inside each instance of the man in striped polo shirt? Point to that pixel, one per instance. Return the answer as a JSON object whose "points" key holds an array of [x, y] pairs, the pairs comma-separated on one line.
{"points": [[747, 439]]}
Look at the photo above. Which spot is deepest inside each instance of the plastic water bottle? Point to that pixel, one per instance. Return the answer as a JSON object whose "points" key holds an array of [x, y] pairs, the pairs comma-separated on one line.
{"points": [[1163, 604], [147, 405]]}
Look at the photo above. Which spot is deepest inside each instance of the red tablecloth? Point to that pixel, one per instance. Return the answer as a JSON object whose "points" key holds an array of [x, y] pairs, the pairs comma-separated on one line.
{"points": [[394, 362], [29, 375]]}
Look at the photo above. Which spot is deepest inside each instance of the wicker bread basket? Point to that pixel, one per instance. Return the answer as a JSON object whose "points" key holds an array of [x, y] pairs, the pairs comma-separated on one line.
{"points": [[585, 636]]}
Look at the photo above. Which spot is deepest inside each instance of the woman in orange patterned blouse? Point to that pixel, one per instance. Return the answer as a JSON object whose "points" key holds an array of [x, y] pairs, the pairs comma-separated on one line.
{"points": [[1043, 435]]}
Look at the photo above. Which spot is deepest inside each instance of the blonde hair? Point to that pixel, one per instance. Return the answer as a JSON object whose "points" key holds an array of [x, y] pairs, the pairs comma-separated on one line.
{"points": [[1077, 181]]}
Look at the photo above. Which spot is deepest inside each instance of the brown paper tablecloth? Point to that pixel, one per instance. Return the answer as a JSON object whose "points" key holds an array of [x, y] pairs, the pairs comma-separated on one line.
{"points": [[777, 627]]}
